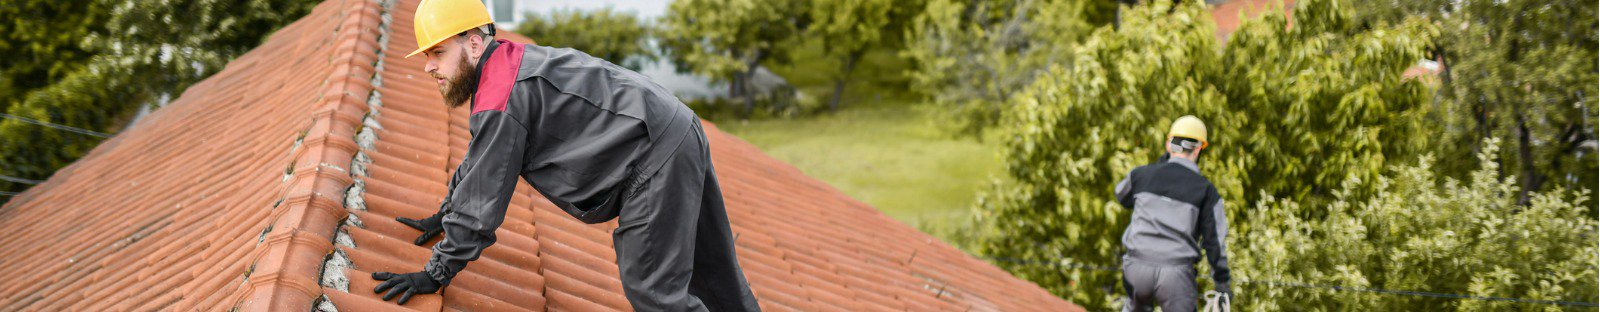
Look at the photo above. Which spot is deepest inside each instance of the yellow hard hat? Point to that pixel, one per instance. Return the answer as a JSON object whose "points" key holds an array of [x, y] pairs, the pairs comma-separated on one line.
{"points": [[1189, 126], [437, 20]]}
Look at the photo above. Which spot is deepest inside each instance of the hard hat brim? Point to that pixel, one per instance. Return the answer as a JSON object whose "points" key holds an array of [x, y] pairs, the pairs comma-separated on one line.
{"points": [[430, 46], [414, 53]]}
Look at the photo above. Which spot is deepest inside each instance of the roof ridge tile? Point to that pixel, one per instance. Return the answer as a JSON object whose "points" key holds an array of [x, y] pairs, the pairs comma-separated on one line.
{"points": [[286, 266]]}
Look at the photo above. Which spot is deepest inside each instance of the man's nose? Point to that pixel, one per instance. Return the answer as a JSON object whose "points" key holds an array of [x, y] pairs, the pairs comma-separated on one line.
{"points": [[430, 67]]}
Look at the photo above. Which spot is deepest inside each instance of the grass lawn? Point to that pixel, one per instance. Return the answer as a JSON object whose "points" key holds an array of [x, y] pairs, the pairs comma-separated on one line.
{"points": [[889, 155], [883, 147]]}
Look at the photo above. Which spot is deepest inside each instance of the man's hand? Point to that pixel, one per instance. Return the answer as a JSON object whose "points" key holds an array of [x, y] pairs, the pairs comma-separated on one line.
{"points": [[1218, 301], [430, 227], [405, 285]]}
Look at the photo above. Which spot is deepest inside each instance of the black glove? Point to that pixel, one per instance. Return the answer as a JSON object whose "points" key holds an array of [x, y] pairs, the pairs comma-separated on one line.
{"points": [[405, 285], [430, 227]]}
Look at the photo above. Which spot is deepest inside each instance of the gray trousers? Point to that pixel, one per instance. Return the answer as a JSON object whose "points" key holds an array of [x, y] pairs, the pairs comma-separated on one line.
{"points": [[1172, 287], [674, 247]]}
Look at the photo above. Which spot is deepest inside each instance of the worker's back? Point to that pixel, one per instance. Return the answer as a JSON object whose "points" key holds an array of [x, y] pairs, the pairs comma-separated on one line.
{"points": [[1177, 213], [593, 126], [1173, 206]]}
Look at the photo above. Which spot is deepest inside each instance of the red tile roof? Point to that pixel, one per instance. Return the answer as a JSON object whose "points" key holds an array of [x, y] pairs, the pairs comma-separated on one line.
{"points": [[273, 185], [1227, 14]]}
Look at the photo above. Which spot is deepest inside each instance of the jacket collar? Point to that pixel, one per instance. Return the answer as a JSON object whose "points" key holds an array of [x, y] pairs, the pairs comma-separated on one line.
{"points": [[1185, 162], [484, 59]]}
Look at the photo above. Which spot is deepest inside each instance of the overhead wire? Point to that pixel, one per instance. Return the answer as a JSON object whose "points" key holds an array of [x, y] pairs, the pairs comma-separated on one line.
{"points": [[56, 126], [19, 180], [1067, 263]]}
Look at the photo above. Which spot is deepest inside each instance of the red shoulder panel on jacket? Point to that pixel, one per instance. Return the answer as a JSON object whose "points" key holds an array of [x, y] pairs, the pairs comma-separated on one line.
{"points": [[499, 74]]}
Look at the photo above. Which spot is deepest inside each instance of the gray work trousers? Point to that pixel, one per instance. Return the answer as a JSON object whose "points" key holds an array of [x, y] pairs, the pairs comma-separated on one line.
{"points": [[1172, 287], [674, 246]]}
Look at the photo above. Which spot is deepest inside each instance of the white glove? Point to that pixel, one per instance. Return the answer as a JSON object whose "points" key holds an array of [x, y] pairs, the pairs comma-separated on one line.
{"points": [[1217, 302]]}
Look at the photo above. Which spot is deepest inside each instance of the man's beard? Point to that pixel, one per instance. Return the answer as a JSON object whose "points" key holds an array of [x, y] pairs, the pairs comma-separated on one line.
{"points": [[460, 88]]}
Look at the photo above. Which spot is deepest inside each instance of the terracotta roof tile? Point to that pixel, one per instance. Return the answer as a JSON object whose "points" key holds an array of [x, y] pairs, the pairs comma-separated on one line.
{"points": [[1227, 14], [299, 154]]}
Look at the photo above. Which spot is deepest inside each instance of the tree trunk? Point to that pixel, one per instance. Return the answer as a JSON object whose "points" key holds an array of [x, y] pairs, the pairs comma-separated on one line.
{"points": [[749, 79], [733, 86], [1572, 136], [844, 77], [749, 94], [1480, 113], [1531, 178]]}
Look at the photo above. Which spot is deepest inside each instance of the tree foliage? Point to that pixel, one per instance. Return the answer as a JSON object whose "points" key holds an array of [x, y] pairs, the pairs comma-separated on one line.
{"points": [[145, 50], [614, 36], [41, 43], [1523, 71], [974, 56], [848, 29], [727, 40], [1421, 233], [1292, 112]]}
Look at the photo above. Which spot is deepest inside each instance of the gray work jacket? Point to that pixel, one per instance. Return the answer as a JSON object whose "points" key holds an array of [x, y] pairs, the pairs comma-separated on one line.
{"points": [[582, 131], [1176, 213]]}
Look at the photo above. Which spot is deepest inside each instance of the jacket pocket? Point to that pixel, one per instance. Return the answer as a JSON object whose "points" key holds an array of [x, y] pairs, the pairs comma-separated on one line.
{"points": [[609, 203]]}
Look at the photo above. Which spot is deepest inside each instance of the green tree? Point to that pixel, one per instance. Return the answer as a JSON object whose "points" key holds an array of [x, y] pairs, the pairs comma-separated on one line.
{"points": [[147, 50], [1419, 233], [1522, 71], [847, 29], [727, 40], [974, 56], [617, 37], [43, 43], [1293, 112]]}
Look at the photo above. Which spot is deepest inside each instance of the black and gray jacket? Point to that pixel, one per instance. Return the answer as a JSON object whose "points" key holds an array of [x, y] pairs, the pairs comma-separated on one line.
{"points": [[582, 131], [1176, 213]]}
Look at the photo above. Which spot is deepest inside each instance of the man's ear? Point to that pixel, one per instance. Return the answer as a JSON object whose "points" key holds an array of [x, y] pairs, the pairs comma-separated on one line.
{"points": [[474, 48], [479, 45]]}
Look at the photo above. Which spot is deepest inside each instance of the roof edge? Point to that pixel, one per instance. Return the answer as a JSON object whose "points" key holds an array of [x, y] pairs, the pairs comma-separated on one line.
{"points": [[287, 264]]}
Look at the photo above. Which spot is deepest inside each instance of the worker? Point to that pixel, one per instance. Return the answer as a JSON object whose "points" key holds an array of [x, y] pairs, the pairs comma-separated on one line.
{"points": [[1177, 213], [599, 141]]}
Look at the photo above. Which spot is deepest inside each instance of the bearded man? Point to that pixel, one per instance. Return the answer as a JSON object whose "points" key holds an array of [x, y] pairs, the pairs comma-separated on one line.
{"points": [[600, 141]]}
